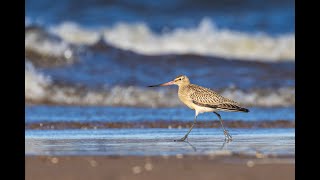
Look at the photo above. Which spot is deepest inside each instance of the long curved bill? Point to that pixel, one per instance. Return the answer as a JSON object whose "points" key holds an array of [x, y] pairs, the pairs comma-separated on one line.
{"points": [[164, 84]]}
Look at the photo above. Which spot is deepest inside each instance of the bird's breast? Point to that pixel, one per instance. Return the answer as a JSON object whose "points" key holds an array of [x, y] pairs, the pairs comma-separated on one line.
{"points": [[186, 99]]}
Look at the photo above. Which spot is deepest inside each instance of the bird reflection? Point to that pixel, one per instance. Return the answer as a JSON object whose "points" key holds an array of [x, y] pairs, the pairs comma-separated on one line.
{"points": [[192, 146], [224, 145]]}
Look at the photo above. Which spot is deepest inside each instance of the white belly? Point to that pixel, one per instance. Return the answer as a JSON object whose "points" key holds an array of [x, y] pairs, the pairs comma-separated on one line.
{"points": [[203, 109]]}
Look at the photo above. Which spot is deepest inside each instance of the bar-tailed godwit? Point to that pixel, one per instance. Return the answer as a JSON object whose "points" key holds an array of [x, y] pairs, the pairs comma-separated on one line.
{"points": [[202, 100]]}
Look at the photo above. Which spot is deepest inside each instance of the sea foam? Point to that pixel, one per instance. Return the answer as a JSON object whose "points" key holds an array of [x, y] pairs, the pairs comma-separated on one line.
{"points": [[39, 89], [205, 39]]}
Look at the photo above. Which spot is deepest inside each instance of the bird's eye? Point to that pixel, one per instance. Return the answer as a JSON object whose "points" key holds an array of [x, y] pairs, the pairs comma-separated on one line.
{"points": [[179, 79]]}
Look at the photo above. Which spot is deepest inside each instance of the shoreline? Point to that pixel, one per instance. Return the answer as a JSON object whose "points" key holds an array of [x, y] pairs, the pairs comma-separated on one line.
{"points": [[158, 124]]}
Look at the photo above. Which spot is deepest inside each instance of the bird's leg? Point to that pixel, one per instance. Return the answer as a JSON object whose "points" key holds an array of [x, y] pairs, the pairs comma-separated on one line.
{"points": [[228, 137], [186, 136]]}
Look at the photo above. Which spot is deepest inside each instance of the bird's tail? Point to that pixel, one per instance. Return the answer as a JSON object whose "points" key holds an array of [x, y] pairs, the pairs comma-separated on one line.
{"points": [[237, 109], [231, 107], [243, 109]]}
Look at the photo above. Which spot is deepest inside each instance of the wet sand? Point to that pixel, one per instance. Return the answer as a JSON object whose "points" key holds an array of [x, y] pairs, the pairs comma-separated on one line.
{"points": [[152, 154], [158, 141], [157, 167]]}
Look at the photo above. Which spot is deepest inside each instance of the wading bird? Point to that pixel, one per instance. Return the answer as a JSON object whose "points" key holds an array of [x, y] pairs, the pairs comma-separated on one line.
{"points": [[202, 100]]}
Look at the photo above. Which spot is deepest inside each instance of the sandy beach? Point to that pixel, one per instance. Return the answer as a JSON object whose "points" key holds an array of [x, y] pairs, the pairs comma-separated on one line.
{"points": [[152, 154], [158, 167]]}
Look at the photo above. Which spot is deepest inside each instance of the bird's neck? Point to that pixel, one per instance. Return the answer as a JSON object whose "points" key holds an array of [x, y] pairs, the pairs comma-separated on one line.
{"points": [[182, 86]]}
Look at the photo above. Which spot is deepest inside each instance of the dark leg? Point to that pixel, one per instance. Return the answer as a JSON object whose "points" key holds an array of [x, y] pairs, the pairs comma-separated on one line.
{"points": [[228, 137], [185, 136]]}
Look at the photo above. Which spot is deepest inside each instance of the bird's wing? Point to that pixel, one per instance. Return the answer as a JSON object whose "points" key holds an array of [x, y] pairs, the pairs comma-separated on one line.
{"points": [[205, 97], [222, 106]]}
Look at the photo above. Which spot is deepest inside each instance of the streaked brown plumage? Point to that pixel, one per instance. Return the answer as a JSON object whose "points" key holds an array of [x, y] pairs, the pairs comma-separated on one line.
{"points": [[202, 100], [192, 95]]}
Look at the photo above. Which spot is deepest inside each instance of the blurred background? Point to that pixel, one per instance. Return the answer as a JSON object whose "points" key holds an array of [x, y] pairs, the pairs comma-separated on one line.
{"points": [[99, 52], [90, 61]]}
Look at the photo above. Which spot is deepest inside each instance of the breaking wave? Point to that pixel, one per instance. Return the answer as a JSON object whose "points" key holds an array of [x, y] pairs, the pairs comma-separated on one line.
{"points": [[44, 48], [40, 89], [205, 39]]}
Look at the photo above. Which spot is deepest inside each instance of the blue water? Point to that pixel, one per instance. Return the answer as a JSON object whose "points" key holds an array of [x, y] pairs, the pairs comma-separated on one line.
{"points": [[37, 114], [158, 142], [246, 15], [104, 65], [138, 70]]}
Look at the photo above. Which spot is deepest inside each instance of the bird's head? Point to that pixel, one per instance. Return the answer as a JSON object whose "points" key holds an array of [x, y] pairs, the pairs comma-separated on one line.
{"points": [[179, 80]]}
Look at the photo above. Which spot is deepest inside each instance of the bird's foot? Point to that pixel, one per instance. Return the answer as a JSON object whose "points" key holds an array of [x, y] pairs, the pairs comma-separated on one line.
{"points": [[181, 140], [228, 137]]}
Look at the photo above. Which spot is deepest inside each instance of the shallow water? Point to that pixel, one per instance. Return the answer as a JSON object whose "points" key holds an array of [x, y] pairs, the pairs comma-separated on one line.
{"points": [[158, 142], [42, 113]]}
